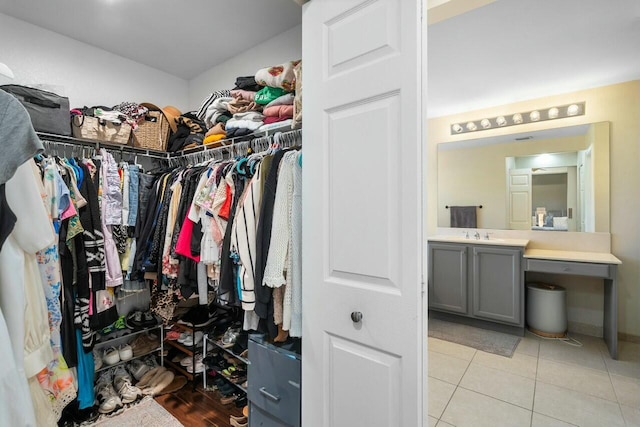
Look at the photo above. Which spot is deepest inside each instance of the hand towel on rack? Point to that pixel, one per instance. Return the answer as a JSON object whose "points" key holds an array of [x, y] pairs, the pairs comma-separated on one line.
{"points": [[463, 216]]}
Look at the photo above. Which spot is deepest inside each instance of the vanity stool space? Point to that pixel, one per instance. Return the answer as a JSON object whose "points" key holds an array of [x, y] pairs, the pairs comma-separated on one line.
{"points": [[592, 264], [479, 282]]}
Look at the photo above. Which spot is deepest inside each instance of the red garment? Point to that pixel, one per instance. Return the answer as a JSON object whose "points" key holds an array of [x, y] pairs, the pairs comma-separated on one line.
{"points": [[183, 245], [269, 120], [225, 209]]}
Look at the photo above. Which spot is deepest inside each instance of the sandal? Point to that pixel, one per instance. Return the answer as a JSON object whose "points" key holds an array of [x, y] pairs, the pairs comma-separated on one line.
{"points": [[228, 399]]}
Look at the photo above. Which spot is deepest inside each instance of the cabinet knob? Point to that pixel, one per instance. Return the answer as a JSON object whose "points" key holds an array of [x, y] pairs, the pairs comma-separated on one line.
{"points": [[356, 316]]}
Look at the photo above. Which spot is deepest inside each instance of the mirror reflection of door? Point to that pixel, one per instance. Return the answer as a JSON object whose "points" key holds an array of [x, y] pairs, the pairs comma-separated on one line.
{"points": [[556, 191], [551, 189]]}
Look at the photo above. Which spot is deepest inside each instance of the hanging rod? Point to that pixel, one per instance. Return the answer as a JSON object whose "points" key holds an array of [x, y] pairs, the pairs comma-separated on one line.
{"points": [[227, 144], [97, 145]]}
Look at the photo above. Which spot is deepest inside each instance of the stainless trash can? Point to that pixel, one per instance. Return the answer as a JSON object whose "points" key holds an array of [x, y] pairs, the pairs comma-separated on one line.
{"points": [[546, 310]]}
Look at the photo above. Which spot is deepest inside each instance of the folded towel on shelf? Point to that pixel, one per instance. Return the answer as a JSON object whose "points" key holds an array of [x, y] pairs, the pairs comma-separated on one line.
{"points": [[463, 217]]}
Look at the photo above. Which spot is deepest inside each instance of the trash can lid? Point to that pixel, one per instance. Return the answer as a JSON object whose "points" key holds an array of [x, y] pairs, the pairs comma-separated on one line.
{"points": [[545, 286]]}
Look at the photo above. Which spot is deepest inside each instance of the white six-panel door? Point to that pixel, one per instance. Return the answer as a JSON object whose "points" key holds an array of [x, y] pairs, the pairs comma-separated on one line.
{"points": [[362, 214]]}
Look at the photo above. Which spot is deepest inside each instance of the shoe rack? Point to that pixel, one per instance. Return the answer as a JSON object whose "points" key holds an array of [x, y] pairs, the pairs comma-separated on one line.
{"points": [[128, 338], [186, 350], [207, 340]]}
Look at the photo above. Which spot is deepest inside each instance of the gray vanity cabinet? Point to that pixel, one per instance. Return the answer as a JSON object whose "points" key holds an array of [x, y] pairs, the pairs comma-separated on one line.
{"points": [[477, 281], [496, 282], [448, 277]]}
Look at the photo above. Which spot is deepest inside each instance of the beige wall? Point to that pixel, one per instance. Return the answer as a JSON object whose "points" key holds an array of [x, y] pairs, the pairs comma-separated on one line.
{"points": [[620, 105]]}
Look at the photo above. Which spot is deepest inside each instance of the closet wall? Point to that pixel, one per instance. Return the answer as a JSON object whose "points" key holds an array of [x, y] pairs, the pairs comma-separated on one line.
{"points": [[284, 47], [86, 74]]}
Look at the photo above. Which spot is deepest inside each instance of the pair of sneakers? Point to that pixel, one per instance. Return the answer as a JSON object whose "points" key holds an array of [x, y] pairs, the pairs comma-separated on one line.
{"points": [[114, 389], [113, 355], [189, 339]]}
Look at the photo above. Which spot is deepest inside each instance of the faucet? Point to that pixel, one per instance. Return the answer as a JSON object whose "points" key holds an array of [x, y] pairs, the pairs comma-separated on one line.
{"points": [[476, 235], [486, 235], [466, 234]]}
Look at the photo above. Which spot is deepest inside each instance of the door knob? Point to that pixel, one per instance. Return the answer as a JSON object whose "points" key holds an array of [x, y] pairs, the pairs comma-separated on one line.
{"points": [[356, 316]]}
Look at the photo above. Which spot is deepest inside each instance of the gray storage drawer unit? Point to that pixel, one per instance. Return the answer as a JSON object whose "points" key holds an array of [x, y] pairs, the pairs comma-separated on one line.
{"points": [[273, 385]]}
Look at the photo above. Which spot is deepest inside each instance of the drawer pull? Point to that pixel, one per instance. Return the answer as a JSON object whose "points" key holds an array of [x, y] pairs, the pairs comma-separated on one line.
{"points": [[269, 395], [356, 317]]}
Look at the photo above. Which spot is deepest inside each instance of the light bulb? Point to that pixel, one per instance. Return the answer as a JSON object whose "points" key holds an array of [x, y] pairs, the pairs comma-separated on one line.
{"points": [[471, 126], [573, 110], [456, 128], [553, 113], [501, 121], [534, 116], [517, 118], [485, 123]]}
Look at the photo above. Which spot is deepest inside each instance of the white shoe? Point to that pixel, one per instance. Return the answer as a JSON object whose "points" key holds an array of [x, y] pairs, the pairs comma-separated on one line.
{"points": [[125, 352], [97, 359], [122, 383], [138, 368], [106, 395], [111, 356], [193, 340], [183, 337]]}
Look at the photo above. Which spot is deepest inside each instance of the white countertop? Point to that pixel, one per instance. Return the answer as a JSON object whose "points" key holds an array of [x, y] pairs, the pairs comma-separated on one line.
{"points": [[472, 241], [593, 257]]}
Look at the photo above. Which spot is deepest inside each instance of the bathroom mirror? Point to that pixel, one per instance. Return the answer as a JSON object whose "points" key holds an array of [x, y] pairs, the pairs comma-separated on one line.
{"points": [[549, 180]]}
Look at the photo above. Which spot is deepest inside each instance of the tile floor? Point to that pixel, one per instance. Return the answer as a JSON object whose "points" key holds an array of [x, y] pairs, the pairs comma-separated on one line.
{"points": [[546, 383]]}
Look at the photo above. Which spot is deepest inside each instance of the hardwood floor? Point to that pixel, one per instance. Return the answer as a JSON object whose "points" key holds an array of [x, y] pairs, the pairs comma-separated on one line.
{"points": [[198, 408]]}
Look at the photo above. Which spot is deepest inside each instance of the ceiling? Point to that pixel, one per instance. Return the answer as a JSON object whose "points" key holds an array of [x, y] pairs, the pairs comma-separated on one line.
{"points": [[513, 50], [502, 52], [181, 38]]}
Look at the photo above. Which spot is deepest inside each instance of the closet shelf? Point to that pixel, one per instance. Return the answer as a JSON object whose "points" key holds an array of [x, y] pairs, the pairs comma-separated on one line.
{"points": [[105, 367], [220, 346], [82, 142], [178, 367], [182, 348], [236, 385], [100, 344]]}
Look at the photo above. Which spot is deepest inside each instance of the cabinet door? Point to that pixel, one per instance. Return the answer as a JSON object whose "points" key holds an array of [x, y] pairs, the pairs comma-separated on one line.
{"points": [[497, 279], [448, 277]]}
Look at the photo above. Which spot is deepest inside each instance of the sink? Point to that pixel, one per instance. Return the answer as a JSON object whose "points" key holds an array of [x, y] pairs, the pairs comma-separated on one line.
{"points": [[472, 241]]}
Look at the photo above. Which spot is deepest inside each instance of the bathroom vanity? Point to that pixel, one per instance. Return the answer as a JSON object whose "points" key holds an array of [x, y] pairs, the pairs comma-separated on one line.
{"points": [[480, 281]]}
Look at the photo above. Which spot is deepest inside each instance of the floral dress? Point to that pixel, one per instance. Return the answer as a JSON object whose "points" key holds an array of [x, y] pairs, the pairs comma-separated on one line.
{"points": [[56, 379]]}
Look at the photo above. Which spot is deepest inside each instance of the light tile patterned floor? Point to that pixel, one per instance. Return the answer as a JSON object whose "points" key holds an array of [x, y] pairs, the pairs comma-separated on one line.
{"points": [[546, 383]]}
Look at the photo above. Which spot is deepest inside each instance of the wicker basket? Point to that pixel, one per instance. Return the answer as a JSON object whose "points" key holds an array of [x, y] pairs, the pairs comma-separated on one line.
{"points": [[153, 132], [100, 130]]}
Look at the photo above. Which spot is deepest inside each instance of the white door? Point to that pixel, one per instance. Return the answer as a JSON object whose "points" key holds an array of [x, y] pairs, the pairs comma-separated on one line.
{"points": [[362, 214], [572, 198], [519, 199]]}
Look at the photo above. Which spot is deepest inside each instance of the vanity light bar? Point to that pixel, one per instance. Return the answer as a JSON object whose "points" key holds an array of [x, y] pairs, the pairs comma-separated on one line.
{"points": [[552, 113]]}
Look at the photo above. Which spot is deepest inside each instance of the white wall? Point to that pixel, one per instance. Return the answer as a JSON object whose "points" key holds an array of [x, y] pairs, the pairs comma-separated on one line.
{"points": [[281, 48], [87, 75]]}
